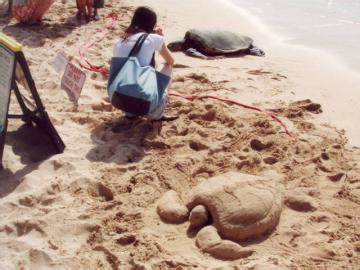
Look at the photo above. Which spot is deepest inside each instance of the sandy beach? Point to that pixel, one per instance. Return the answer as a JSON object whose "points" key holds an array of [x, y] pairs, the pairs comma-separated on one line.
{"points": [[96, 205]]}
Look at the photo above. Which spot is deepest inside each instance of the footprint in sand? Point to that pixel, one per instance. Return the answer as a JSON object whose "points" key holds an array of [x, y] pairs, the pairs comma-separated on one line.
{"points": [[126, 239], [257, 145], [202, 78], [102, 191], [28, 201], [278, 77], [102, 107], [306, 105], [97, 77], [181, 66], [258, 72], [270, 160], [25, 227], [209, 115], [198, 146]]}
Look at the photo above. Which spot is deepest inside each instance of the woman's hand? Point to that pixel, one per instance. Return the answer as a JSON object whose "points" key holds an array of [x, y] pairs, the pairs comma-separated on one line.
{"points": [[158, 31]]}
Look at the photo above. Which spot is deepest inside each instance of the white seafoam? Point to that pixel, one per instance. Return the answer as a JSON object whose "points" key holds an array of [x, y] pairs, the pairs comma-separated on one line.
{"points": [[329, 25]]}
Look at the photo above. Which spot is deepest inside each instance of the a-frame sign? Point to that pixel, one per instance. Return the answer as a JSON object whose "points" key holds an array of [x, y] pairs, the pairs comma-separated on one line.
{"points": [[14, 70]]}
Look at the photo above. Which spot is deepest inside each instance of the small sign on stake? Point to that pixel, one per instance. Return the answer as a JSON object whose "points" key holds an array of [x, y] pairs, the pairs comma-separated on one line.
{"points": [[73, 81], [60, 62]]}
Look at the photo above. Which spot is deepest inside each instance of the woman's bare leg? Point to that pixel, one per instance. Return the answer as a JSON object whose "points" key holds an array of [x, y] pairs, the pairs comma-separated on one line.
{"points": [[89, 5], [81, 6], [167, 70]]}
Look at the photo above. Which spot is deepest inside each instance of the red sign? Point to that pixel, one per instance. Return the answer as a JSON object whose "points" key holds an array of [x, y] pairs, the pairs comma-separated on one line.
{"points": [[73, 81]]}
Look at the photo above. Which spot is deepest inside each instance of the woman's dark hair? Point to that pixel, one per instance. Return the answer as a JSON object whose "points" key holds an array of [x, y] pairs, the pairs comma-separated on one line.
{"points": [[144, 19]]}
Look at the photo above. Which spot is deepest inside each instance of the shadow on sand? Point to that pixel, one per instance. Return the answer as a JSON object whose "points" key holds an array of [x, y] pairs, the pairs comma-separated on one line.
{"points": [[4, 20], [36, 35], [122, 141], [33, 146]]}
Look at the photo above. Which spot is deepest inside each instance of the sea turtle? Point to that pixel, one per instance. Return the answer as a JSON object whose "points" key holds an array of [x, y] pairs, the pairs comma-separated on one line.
{"points": [[226, 209], [201, 44]]}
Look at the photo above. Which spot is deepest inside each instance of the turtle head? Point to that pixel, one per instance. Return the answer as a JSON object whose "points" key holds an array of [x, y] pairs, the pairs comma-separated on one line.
{"points": [[176, 46]]}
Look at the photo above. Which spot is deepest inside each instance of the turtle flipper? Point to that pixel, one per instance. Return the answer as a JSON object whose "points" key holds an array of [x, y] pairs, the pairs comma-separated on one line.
{"points": [[209, 241], [194, 53]]}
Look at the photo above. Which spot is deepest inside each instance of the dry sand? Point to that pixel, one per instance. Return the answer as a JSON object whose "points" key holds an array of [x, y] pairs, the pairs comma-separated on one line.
{"points": [[94, 207]]}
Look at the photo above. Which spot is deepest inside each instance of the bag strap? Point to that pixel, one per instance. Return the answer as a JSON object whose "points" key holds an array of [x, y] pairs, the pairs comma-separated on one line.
{"points": [[135, 50], [152, 62]]}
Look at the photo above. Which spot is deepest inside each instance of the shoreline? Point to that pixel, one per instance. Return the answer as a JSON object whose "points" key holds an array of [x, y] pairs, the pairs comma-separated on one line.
{"points": [[281, 39], [285, 39]]}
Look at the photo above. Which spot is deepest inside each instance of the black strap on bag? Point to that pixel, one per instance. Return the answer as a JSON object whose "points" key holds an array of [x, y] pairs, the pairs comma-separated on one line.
{"points": [[136, 49], [152, 63]]}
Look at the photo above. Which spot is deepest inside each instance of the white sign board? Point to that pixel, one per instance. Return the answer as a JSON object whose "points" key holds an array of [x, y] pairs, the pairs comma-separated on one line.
{"points": [[7, 60], [60, 62], [73, 81]]}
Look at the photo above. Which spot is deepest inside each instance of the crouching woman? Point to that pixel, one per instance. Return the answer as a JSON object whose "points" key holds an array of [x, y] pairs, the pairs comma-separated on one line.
{"points": [[134, 86]]}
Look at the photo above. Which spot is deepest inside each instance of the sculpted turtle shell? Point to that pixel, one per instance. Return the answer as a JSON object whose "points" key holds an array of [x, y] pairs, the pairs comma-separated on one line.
{"points": [[226, 209], [241, 206]]}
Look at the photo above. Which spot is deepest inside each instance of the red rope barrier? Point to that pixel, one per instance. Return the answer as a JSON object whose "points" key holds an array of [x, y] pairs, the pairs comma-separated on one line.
{"points": [[84, 62], [251, 107]]}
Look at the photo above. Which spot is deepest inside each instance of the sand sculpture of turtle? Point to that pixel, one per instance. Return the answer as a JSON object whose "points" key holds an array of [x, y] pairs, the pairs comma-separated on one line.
{"points": [[227, 209], [201, 44]]}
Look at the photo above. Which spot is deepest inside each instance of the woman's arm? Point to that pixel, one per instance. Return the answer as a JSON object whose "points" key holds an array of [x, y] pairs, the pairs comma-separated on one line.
{"points": [[166, 54]]}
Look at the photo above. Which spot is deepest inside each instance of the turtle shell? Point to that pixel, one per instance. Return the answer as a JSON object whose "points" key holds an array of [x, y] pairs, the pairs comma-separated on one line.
{"points": [[216, 42], [240, 205]]}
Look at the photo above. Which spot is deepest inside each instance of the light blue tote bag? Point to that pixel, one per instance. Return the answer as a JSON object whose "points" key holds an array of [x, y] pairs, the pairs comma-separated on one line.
{"points": [[135, 89]]}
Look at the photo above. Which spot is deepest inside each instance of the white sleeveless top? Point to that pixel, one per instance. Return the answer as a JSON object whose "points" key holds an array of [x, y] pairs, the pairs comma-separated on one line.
{"points": [[153, 42]]}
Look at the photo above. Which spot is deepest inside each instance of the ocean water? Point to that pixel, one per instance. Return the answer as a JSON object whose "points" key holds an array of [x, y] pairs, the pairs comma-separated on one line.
{"points": [[329, 25]]}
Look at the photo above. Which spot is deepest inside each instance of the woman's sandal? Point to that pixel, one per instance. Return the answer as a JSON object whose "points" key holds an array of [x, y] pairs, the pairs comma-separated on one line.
{"points": [[131, 117], [166, 118]]}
